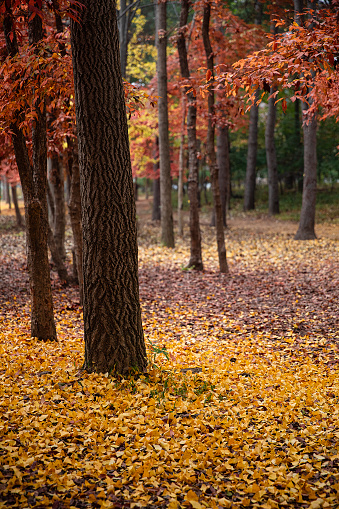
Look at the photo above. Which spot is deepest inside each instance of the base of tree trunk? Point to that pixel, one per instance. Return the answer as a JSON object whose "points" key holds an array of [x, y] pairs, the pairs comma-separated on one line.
{"points": [[305, 235]]}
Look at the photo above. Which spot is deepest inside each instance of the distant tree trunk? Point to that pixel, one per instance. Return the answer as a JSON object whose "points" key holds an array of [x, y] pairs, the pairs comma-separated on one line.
{"points": [[114, 340], [74, 206], [307, 215], [19, 220], [211, 149], [223, 162], [123, 36], [156, 210], [8, 194], [271, 158], [181, 169], [167, 234], [33, 180], [59, 224], [249, 199], [50, 202], [193, 163]]}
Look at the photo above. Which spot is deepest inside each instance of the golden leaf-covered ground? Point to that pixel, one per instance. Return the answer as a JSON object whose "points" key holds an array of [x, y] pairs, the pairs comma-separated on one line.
{"points": [[243, 413]]}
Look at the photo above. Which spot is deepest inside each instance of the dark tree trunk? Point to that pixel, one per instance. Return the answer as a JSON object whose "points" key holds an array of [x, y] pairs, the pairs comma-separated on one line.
{"points": [[307, 215], [156, 210], [223, 161], [167, 234], [33, 181], [74, 206], [19, 220], [249, 199], [59, 223], [223, 267], [125, 16], [181, 168], [193, 163], [271, 158], [114, 340]]}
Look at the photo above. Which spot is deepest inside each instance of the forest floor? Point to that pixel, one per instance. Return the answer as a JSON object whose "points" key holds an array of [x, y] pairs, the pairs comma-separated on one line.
{"points": [[243, 411]]}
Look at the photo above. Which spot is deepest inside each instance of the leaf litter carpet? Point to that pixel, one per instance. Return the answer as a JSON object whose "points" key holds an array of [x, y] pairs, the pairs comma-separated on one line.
{"points": [[243, 413]]}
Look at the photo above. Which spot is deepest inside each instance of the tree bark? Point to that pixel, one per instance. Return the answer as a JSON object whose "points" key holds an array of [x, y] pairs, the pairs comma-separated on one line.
{"points": [[33, 181], [181, 169], [8, 193], [156, 210], [307, 214], [167, 234], [19, 220], [74, 206], [223, 161], [195, 260], [223, 267], [271, 157], [249, 198], [59, 223], [114, 340]]}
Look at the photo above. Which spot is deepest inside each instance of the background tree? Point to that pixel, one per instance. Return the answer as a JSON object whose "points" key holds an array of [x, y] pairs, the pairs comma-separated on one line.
{"points": [[167, 234]]}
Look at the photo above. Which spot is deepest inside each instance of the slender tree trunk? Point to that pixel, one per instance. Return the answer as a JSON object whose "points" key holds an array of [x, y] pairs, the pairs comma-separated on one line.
{"points": [[249, 199], [307, 215], [223, 267], [59, 223], [181, 169], [33, 180], [123, 36], [50, 202], [223, 161], [167, 234], [19, 220], [271, 158], [156, 210], [114, 340], [8, 194], [195, 260], [74, 205]]}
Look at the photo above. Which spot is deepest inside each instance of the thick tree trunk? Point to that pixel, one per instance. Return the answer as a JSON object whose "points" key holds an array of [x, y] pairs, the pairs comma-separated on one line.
{"points": [[167, 234], [249, 198], [271, 158], [195, 260], [223, 267], [33, 181], [307, 215], [74, 206], [19, 220], [156, 210], [114, 340]]}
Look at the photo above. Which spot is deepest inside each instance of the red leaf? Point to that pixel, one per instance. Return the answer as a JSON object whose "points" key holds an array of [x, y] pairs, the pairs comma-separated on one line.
{"points": [[284, 105]]}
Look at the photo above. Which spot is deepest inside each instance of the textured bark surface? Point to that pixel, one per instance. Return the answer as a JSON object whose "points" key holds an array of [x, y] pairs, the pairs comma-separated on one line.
{"points": [[181, 169], [19, 219], [167, 233], [223, 267], [114, 340], [34, 181], [271, 157], [307, 214], [74, 206], [193, 163], [249, 198]]}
